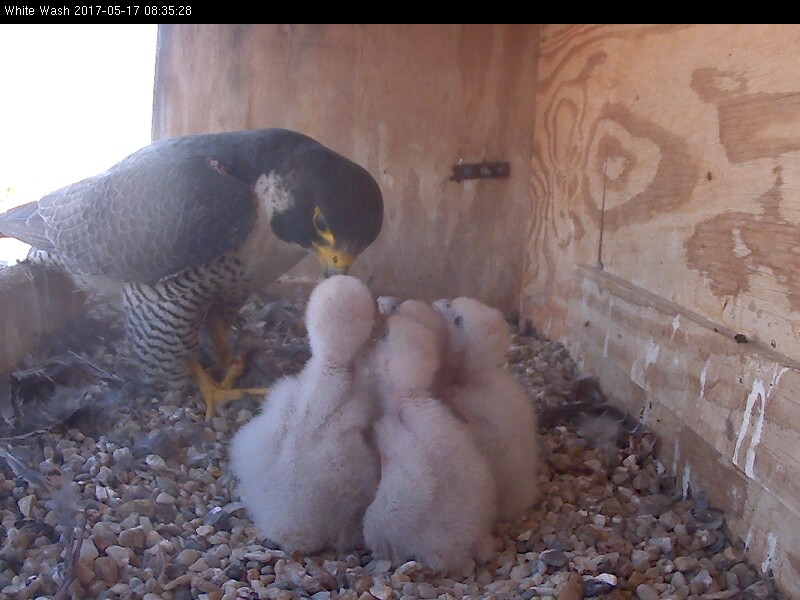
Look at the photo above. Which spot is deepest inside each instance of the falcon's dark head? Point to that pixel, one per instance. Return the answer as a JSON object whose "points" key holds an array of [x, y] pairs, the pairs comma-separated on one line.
{"points": [[324, 202]]}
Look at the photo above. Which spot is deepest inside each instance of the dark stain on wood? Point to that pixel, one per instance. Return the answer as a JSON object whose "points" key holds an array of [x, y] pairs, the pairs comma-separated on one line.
{"points": [[732, 246], [676, 173], [729, 431], [727, 488], [752, 125]]}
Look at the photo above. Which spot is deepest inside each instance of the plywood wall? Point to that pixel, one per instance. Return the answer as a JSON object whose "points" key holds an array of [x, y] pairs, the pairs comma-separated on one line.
{"points": [[663, 249], [35, 303], [406, 102], [650, 221]]}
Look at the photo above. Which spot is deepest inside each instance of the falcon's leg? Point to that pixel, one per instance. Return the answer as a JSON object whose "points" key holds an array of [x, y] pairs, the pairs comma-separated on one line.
{"points": [[163, 323], [219, 322], [218, 326], [215, 395], [162, 328]]}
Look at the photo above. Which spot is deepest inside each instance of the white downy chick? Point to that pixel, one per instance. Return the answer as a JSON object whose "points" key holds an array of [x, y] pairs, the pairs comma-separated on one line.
{"points": [[496, 406], [435, 501], [454, 346], [428, 316], [388, 305], [305, 470]]}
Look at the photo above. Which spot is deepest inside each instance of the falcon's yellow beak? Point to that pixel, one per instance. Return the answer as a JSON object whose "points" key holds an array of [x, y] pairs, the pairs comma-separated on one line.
{"points": [[333, 261]]}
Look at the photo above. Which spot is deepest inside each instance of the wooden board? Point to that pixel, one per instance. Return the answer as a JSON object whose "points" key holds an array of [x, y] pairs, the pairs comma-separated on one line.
{"points": [[405, 101], [727, 414], [670, 153], [668, 156], [665, 153], [33, 303]]}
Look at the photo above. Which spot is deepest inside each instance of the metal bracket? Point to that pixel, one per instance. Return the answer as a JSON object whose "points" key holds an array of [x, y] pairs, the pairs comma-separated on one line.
{"points": [[481, 170]]}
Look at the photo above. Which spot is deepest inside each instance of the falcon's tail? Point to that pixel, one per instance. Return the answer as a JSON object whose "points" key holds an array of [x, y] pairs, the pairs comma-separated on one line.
{"points": [[24, 223]]}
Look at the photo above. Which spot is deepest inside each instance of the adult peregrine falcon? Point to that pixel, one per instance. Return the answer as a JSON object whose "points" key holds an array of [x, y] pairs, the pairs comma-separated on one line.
{"points": [[188, 227]]}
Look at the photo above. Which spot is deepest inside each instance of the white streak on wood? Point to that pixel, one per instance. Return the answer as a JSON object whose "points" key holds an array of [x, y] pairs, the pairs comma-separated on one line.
{"points": [[772, 548], [608, 329], [676, 322], [639, 367], [686, 480], [740, 249], [675, 453], [755, 426], [648, 404], [736, 500], [703, 375], [756, 393]]}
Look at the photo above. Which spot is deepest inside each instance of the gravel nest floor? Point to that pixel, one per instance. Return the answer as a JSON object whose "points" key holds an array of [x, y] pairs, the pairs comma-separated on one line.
{"points": [[111, 494]]}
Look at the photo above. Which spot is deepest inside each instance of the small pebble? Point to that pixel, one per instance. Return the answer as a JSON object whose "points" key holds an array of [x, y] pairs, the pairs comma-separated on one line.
{"points": [[601, 584], [646, 592], [89, 550], [154, 461], [106, 569], [161, 518], [165, 499], [572, 589], [554, 558], [26, 505], [217, 517]]}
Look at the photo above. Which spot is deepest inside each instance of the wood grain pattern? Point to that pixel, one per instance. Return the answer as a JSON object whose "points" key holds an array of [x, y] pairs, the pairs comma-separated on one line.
{"points": [[726, 413], [678, 170], [668, 157], [35, 303], [405, 101], [666, 154]]}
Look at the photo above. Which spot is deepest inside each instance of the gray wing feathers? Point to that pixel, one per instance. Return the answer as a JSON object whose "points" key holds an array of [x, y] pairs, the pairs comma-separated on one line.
{"points": [[149, 217], [24, 223]]}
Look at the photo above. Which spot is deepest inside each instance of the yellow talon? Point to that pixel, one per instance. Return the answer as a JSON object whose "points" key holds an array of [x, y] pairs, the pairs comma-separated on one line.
{"points": [[218, 394], [233, 372]]}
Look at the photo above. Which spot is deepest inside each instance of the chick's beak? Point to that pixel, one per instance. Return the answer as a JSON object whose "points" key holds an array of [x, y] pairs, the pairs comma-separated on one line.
{"points": [[332, 261]]}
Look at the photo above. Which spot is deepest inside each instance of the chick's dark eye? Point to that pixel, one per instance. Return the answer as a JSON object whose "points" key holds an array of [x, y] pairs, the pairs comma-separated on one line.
{"points": [[459, 321]]}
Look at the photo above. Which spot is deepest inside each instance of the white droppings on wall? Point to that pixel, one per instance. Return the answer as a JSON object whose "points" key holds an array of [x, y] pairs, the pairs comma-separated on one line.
{"points": [[653, 350], [686, 479], [776, 377], [675, 454], [756, 393], [608, 329], [640, 365], [703, 375], [736, 499], [753, 422], [676, 323], [575, 350], [645, 413], [772, 549]]}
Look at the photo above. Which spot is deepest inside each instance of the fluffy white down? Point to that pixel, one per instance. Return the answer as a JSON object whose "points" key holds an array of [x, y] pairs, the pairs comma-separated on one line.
{"points": [[496, 407], [305, 470], [435, 500]]}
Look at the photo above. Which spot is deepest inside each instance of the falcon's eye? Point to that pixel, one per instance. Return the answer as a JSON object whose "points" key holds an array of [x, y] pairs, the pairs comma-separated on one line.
{"points": [[459, 321]]}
